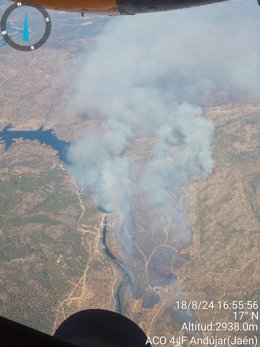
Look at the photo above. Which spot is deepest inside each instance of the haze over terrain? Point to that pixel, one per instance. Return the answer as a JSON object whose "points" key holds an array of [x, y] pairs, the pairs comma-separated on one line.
{"points": [[161, 202]]}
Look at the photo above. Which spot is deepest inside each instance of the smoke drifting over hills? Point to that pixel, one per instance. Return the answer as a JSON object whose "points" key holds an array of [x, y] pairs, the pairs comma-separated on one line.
{"points": [[148, 78]]}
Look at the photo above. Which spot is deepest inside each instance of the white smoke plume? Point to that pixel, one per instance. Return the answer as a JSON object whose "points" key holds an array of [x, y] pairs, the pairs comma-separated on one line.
{"points": [[149, 78]]}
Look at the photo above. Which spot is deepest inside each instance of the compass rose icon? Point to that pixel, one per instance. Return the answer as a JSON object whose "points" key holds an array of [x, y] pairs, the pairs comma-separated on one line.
{"points": [[22, 34]]}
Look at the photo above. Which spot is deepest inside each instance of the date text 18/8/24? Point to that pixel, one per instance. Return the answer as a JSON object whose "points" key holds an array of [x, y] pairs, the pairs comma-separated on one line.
{"points": [[216, 305]]}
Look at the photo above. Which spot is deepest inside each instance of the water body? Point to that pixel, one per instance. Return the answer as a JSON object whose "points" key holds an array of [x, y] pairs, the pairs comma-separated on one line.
{"points": [[126, 277], [43, 136]]}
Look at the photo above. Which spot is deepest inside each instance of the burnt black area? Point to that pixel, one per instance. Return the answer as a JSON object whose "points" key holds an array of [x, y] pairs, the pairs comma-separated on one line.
{"points": [[180, 316], [150, 299], [138, 288], [179, 260], [160, 267]]}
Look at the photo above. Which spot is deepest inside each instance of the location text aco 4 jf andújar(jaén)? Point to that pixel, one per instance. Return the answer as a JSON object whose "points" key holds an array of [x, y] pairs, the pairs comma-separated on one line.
{"points": [[212, 341]]}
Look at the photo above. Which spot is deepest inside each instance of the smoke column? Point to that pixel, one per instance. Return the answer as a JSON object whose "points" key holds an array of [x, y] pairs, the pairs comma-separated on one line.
{"points": [[148, 80]]}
